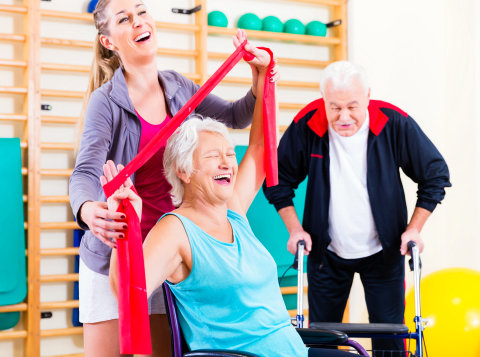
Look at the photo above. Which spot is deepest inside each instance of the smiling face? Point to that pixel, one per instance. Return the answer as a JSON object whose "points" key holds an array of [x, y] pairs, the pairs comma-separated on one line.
{"points": [[346, 107], [131, 31], [215, 168]]}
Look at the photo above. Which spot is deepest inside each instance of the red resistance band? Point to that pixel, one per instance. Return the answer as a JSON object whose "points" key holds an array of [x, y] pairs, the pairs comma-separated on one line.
{"points": [[134, 326]]}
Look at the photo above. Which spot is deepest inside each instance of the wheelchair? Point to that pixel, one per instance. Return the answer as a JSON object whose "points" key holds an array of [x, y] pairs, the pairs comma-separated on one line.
{"points": [[310, 336], [372, 330]]}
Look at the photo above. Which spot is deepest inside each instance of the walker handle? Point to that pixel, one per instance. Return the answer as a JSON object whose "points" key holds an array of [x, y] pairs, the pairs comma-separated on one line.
{"points": [[410, 246], [298, 264], [295, 261]]}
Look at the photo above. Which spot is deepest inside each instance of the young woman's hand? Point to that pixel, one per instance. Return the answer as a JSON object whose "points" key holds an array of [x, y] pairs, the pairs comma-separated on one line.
{"points": [[103, 223], [102, 218]]}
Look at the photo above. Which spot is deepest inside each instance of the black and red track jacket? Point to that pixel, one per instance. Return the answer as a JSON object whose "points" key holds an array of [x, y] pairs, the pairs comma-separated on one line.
{"points": [[394, 141]]}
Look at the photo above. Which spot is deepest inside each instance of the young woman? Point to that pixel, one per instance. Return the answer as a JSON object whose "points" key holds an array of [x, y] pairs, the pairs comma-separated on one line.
{"points": [[130, 102]]}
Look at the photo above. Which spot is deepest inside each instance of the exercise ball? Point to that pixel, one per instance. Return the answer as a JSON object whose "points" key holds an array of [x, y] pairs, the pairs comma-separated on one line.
{"points": [[294, 26], [91, 5], [249, 21], [217, 18], [316, 28], [450, 302], [272, 24]]}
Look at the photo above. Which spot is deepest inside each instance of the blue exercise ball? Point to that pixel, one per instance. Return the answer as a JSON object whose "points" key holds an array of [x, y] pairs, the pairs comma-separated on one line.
{"points": [[91, 5], [217, 18], [316, 28], [249, 21], [272, 24], [294, 26]]}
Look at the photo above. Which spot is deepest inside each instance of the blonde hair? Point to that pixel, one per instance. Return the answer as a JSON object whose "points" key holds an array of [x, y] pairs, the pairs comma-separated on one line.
{"points": [[178, 155], [105, 62]]}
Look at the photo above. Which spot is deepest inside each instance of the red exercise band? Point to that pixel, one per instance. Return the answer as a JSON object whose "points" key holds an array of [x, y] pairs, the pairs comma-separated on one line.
{"points": [[134, 326]]}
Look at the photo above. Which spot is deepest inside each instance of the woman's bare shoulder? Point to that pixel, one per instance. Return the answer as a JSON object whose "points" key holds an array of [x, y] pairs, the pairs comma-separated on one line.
{"points": [[167, 225]]}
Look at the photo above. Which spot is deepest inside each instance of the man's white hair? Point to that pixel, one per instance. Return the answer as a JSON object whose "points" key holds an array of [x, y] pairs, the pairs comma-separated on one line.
{"points": [[341, 74], [178, 155]]}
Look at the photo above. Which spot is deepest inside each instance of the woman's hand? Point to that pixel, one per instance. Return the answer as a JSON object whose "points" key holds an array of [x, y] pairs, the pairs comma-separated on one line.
{"points": [[103, 223], [259, 63], [123, 192]]}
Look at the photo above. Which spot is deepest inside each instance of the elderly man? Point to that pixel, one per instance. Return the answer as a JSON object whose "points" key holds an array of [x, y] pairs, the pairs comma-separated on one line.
{"points": [[355, 219]]}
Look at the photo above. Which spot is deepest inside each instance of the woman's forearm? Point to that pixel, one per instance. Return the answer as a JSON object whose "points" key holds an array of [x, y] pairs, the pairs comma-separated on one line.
{"points": [[256, 130]]}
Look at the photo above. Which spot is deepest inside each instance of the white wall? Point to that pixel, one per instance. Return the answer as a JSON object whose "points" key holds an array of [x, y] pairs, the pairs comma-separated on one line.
{"points": [[423, 57]]}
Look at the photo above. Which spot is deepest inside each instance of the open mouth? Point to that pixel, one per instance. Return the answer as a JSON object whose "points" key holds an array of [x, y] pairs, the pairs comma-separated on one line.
{"points": [[143, 37], [224, 178]]}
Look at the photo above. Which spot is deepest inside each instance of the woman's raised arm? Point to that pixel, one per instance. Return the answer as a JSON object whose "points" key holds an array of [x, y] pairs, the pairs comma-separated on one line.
{"points": [[251, 172]]}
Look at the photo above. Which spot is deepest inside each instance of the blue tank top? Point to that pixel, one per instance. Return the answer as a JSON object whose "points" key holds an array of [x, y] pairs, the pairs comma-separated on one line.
{"points": [[231, 299]]}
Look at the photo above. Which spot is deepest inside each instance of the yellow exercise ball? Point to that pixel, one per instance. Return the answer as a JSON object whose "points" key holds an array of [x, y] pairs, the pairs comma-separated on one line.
{"points": [[450, 301]]}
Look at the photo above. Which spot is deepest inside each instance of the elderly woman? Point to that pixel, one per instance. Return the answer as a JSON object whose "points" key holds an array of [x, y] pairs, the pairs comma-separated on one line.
{"points": [[224, 280]]}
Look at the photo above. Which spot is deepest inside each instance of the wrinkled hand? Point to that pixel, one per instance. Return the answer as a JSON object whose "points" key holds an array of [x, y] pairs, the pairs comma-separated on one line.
{"points": [[295, 237], [411, 234], [123, 192], [260, 62]]}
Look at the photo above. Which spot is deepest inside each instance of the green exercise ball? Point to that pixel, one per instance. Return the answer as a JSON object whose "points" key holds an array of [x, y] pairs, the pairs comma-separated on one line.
{"points": [[249, 21], [294, 26], [316, 28], [217, 18], [272, 24]]}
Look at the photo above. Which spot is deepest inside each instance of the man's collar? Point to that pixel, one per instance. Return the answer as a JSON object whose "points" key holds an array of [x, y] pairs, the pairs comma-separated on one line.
{"points": [[319, 124]]}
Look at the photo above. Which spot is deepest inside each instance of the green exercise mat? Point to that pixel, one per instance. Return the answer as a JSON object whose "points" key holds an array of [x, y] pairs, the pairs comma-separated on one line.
{"points": [[13, 282], [268, 226], [9, 320]]}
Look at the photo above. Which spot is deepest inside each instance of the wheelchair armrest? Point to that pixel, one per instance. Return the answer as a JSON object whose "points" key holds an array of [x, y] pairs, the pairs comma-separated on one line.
{"points": [[363, 330], [313, 336], [218, 353]]}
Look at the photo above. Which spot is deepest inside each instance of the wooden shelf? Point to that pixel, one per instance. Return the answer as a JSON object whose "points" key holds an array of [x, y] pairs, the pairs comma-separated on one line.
{"points": [[62, 332], [281, 60], [13, 37], [13, 90], [51, 146], [85, 16], [12, 335], [50, 41], [13, 9], [290, 290], [13, 117], [59, 225], [64, 67], [58, 119], [264, 35], [11, 308], [54, 199], [322, 2], [51, 172], [13, 63], [59, 251], [62, 93], [69, 304], [292, 84], [56, 278]]}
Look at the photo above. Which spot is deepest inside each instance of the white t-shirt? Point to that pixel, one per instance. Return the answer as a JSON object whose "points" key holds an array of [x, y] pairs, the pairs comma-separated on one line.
{"points": [[351, 225]]}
